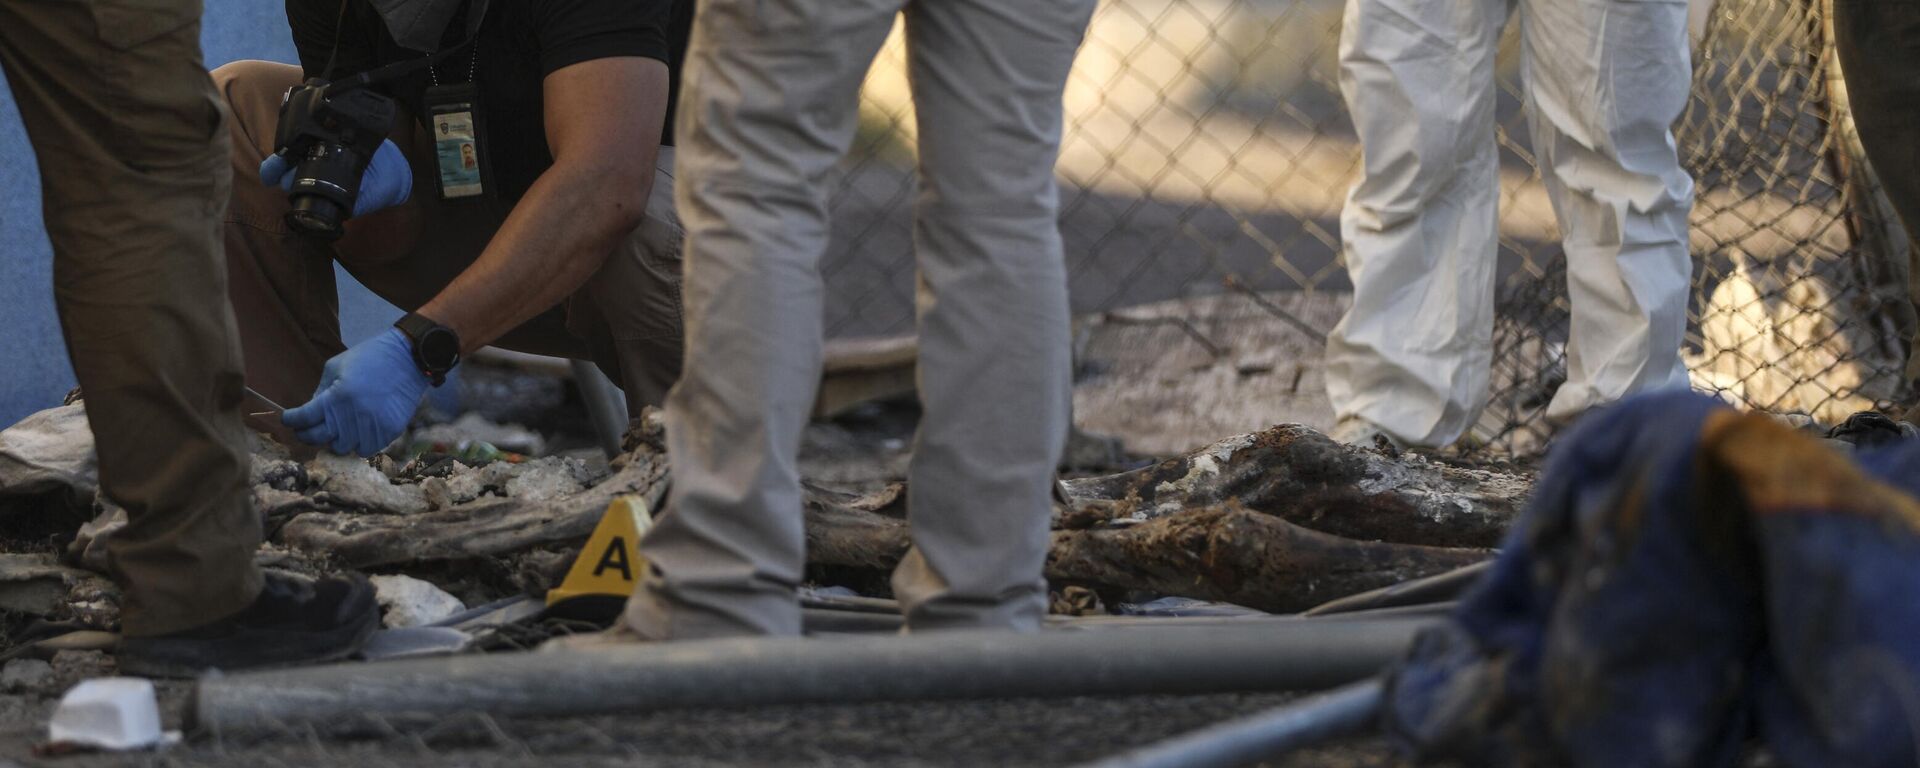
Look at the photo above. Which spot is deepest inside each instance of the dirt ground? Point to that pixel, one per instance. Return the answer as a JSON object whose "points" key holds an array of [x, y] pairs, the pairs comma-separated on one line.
{"points": [[1020, 732]]}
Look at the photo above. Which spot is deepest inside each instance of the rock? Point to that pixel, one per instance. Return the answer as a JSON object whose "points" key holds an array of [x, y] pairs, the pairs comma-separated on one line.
{"points": [[36, 585], [73, 666], [48, 457], [351, 482], [27, 676], [410, 602], [549, 478]]}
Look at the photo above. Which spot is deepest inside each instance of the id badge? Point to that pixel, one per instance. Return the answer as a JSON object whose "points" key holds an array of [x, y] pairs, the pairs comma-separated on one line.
{"points": [[453, 113]]}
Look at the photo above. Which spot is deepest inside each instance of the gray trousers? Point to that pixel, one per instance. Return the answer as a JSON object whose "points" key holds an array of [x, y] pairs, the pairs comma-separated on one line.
{"points": [[770, 103]]}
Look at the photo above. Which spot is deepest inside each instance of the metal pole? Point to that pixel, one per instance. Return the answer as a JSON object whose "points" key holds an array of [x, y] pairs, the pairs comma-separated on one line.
{"points": [[1255, 656], [606, 405], [1277, 731]]}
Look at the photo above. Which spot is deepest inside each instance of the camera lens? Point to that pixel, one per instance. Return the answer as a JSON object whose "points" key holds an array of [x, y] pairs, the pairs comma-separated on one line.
{"points": [[324, 185], [316, 216]]}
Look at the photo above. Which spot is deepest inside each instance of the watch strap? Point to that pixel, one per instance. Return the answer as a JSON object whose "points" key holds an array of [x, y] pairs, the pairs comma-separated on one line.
{"points": [[417, 328]]}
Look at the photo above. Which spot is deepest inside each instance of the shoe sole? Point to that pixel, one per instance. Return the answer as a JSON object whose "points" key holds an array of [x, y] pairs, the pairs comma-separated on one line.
{"points": [[165, 658]]}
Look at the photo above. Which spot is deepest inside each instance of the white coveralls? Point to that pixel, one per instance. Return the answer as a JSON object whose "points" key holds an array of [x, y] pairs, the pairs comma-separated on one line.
{"points": [[771, 102], [1605, 80]]}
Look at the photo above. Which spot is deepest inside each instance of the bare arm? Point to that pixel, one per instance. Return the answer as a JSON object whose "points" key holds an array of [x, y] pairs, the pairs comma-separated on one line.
{"points": [[603, 120]]}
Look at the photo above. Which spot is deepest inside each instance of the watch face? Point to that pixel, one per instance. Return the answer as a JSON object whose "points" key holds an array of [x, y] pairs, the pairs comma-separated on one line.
{"points": [[439, 349]]}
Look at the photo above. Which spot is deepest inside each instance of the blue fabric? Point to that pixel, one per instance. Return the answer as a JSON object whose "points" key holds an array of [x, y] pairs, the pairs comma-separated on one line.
{"points": [[1687, 580], [366, 397], [387, 182]]}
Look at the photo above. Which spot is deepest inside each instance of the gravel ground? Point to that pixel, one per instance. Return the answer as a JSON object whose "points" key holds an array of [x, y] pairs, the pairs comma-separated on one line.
{"points": [[1021, 732]]}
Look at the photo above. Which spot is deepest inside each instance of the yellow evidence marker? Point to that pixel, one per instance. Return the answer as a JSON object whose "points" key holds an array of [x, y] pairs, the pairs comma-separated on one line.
{"points": [[610, 564]]}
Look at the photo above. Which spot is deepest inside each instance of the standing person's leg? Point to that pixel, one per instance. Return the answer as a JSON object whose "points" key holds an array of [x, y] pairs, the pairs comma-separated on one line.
{"points": [[1605, 81], [1879, 46], [133, 158], [995, 363], [1412, 356], [769, 103]]}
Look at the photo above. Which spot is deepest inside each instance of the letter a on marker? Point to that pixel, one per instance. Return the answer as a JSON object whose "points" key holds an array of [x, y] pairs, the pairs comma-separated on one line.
{"points": [[610, 562]]}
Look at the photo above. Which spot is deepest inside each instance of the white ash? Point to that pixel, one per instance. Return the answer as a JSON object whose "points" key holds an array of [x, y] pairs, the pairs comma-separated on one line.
{"points": [[411, 602]]}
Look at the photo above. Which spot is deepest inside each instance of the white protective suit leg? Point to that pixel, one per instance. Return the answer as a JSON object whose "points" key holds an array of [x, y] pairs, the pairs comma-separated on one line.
{"points": [[1413, 353], [771, 98], [1605, 81]]}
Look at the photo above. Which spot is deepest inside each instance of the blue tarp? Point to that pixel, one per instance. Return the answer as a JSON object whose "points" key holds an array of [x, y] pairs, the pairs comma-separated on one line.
{"points": [[1689, 581]]}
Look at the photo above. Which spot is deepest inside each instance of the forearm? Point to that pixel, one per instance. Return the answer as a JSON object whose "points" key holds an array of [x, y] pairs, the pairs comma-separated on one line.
{"points": [[555, 239]]}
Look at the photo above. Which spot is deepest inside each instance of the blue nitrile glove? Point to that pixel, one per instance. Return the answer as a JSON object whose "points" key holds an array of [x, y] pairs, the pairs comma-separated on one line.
{"points": [[388, 181], [366, 396]]}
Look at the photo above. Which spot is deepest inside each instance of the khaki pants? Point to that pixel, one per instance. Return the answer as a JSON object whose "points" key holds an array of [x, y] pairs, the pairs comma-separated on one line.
{"points": [[626, 318], [132, 157], [771, 102]]}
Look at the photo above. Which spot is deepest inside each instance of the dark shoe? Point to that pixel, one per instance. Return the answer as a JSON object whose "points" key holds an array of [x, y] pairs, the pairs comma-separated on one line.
{"points": [[293, 621]]}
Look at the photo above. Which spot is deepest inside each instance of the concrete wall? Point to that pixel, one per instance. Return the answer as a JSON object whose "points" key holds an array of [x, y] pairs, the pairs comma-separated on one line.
{"points": [[33, 363]]}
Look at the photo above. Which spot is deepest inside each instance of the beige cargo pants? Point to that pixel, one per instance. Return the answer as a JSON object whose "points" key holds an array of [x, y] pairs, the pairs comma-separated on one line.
{"points": [[626, 318], [133, 175], [770, 103]]}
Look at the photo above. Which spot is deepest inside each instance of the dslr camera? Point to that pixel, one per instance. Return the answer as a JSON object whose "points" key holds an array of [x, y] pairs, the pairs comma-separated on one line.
{"points": [[329, 134]]}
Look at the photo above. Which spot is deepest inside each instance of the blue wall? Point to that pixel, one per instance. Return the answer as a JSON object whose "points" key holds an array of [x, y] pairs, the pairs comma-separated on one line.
{"points": [[33, 364]]}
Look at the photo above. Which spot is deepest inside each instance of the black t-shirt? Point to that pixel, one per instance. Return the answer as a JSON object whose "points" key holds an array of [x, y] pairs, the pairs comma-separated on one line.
{"points": [[519, 44]]}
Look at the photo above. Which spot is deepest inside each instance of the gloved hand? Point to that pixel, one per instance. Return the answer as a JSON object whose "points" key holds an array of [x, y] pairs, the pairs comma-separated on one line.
{"points": [[388, 181], [367, 395]]}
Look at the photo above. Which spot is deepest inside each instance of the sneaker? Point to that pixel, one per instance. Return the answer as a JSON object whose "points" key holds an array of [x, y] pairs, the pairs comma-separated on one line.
{"points": [[293, 621]]}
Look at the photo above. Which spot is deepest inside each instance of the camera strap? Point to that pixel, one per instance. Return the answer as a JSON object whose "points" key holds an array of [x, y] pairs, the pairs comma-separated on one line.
{"points": [[476, 13]]}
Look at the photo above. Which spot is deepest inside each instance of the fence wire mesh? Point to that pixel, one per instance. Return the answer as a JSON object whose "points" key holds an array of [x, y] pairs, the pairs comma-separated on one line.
{"points": [[1207, 151]]}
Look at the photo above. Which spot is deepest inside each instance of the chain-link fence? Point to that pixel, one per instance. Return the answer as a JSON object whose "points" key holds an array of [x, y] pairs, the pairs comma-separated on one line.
{"points": [[1207, 150]]}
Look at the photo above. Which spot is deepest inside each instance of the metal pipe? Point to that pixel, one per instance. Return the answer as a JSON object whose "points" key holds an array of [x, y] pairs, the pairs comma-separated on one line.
{"points": [[1265, 656], [1275, 732], [606, 405], [1442, 587]]}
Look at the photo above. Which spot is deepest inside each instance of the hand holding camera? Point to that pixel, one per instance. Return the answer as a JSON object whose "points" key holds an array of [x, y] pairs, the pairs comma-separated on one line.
{"points": [[330, 137], [387, 182]]}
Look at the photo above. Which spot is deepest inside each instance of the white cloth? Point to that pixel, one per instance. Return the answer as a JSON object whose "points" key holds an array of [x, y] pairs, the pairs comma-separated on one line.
{"points": [[1604, 82], [771, 102]]}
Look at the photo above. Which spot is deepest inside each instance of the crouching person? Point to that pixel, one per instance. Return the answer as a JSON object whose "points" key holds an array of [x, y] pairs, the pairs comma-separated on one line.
{"points": [[522, 197]]}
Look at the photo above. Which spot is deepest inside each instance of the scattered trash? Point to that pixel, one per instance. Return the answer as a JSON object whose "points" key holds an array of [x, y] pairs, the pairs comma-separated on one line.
{"points": [[1182, 606], [466, 435], [111, 713], [48, 456], [414, 641], [410, 602], [1871, 429], [1688, 582]]}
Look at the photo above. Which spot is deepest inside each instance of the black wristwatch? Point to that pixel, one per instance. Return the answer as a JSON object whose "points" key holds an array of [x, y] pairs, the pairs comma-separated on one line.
{"points": [[436, 348]]}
